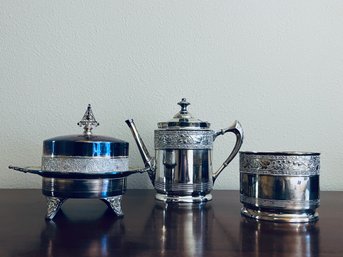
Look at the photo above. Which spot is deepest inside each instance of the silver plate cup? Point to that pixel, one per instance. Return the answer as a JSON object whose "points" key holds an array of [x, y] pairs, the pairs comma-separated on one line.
{"points": [[280, 186]]}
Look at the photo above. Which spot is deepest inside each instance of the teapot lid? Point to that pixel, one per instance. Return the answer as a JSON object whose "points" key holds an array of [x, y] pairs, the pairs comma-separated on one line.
{"points": [[86, 144], [183, 119]]}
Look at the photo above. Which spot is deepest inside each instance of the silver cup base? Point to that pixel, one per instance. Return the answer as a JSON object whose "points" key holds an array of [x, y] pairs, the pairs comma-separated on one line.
{"points": [[183, 199], [299, 217]]}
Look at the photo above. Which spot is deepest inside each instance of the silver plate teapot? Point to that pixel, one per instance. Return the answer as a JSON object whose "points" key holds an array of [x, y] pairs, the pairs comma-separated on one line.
{"points": [[182, 168]]}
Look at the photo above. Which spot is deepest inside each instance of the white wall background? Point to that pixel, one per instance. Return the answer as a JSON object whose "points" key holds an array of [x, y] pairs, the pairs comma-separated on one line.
{"points": [[276, 66]]}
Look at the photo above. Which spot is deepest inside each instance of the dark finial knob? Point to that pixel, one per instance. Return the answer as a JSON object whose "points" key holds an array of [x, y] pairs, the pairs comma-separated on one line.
{"points": [[88, 121], [183, 105]]}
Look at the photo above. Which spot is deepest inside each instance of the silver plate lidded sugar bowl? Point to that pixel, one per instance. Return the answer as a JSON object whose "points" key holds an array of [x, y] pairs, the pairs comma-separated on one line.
{"points": [[181, 171], [83, 166]]}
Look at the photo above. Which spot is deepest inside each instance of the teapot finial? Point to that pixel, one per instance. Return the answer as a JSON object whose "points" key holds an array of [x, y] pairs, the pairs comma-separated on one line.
{"points": [[183, 105], [88, 121]]}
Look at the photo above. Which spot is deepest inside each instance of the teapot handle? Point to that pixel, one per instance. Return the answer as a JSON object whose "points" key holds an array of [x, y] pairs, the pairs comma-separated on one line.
{"points": [[237, 129]]}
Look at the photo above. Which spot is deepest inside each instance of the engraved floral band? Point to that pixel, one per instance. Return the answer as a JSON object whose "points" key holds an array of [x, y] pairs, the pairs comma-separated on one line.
{"points": [[183, 139], [293, 165], [84, 164]]}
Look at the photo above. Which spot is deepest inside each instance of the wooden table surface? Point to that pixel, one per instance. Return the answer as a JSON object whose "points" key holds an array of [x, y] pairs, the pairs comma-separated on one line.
{"points": [[85, 227]]}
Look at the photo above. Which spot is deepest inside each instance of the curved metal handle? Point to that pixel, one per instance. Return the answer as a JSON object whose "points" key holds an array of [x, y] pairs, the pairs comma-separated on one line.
{"points": [[237, 129]]}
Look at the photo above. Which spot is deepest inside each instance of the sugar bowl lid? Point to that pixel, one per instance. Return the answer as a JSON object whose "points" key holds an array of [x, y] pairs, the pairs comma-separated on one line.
{"points": [[183, 119], [86, 144]]}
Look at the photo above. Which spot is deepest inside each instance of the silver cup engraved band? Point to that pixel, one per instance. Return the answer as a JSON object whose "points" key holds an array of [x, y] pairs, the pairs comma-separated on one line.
{"points": [[85, 164], [280, 204], [280, 165], [183, 139]]}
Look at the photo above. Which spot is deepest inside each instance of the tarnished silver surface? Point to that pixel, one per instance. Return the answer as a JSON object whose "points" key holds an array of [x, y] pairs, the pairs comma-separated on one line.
{"points": [[84, 164], [182, 170], [183, 139], [83, 188], [280, 186]]}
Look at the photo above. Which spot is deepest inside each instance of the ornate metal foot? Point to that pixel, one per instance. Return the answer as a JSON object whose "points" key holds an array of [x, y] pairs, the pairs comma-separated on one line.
{"points": [[115, 204], [54, 205]]}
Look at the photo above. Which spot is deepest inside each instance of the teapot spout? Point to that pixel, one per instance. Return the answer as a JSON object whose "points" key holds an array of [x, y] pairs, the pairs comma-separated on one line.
{"points": [[149, 161]]}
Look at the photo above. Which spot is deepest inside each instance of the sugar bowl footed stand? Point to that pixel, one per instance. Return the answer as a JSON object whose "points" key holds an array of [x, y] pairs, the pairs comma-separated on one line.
{"points": [[83, 166], [182, 168]]}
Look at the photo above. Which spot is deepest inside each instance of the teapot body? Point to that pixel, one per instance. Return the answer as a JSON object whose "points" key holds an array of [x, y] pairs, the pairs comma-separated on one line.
{"points": [[182, 168], [183, 165]]}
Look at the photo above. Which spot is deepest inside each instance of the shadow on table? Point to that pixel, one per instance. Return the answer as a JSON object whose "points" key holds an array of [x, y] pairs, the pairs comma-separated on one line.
{"points": [[182, 230], [265, 238], [77, 236]]}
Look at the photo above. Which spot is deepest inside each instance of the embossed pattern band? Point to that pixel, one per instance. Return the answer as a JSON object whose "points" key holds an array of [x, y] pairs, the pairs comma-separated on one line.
{"points": [[84, 164], [280, 165], [183, 139]]}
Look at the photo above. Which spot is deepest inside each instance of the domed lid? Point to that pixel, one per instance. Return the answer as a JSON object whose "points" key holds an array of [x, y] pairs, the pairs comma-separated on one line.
{"points": [[183, 119], [86, 144]]}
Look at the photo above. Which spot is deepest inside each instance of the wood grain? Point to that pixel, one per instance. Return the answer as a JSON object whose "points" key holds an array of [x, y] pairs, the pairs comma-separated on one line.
{"points": [[87, 228]]}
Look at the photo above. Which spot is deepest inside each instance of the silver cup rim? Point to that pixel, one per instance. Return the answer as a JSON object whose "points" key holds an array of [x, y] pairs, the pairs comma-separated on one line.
{"points": [[287, 153]]}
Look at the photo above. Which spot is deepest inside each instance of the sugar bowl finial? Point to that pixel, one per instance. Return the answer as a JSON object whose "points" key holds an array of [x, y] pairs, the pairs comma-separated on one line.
{"points": [[88, 121]]}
